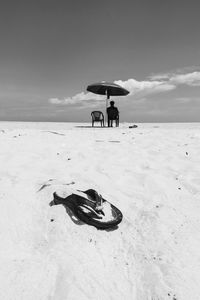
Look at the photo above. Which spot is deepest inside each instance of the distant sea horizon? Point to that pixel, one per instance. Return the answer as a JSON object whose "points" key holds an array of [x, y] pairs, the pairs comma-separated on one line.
{"points": [[44, 125], [122, 122]]}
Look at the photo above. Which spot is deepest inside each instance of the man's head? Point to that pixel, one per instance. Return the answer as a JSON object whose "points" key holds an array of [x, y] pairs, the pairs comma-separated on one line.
{"points": [[112, 103]]}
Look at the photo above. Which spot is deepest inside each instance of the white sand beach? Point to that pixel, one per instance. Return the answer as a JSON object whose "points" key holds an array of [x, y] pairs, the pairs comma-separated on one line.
{"points": [[151, 173]]}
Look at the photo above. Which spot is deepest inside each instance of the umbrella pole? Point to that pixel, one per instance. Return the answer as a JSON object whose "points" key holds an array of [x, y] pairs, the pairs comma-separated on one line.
{"points": [[107, 97]]}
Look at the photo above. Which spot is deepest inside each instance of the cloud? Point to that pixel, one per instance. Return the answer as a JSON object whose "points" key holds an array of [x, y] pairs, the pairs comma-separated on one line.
{"points": [[188, 76], [191, 79], [145, 87], [55, 101], [135, 87], [80, 98], [161, 76], [183, 100], [156, 83]]}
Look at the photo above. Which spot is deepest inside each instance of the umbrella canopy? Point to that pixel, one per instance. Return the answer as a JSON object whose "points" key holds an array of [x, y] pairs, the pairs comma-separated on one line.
{"points": [[107, 88]]}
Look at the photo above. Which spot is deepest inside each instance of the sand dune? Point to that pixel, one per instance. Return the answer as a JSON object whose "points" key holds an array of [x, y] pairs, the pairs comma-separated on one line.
{"points": [[151, 173]]}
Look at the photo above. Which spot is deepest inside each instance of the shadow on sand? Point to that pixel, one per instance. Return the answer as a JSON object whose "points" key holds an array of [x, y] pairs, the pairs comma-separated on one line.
{"points": [[87, 126]]}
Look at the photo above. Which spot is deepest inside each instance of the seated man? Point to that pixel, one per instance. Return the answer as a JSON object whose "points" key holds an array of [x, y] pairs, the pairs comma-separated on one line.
{"points": [[113, 114]]}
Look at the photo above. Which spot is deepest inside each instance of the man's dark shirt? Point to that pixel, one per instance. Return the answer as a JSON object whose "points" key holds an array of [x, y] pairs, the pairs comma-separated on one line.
{"points": [[112, 112]]}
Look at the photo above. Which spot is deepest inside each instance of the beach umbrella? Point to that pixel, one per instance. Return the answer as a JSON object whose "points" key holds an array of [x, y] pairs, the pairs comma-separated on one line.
{"points": [[108, 89]]}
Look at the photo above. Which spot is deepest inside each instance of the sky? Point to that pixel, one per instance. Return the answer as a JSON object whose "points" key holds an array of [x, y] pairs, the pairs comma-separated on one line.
{"points": [[51, 50]]}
